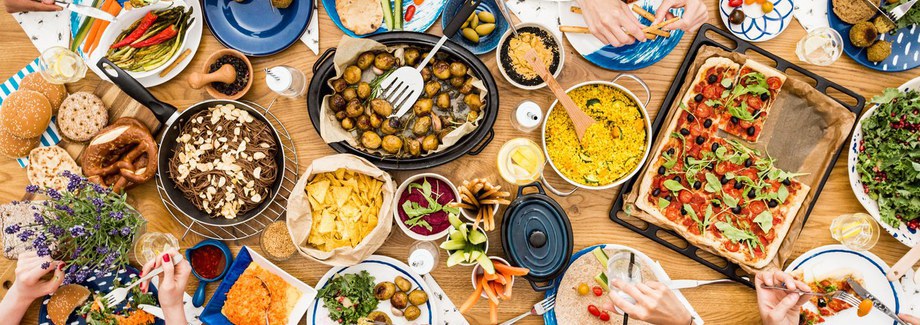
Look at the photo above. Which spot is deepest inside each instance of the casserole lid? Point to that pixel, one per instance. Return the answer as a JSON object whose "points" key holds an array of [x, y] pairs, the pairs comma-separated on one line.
{"points": [[537, 235]]}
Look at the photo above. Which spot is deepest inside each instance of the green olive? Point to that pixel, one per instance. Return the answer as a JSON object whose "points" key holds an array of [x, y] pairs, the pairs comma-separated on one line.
{"points": [[485, 29], [486, 17], [471, 35], [474, 22]]}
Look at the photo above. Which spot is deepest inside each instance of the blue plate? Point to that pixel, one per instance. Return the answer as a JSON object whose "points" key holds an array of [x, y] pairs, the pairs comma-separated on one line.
{"points": [[255, 27], [96, 285], [425, 16], [624, 58], [905, 46], [486, 43], [757, 26]]}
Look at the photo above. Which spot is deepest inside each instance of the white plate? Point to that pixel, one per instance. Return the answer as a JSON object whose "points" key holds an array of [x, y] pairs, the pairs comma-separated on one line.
{"points": [[382, 268], [757, 26], [126, 18], [902, 233], [826, 259]]}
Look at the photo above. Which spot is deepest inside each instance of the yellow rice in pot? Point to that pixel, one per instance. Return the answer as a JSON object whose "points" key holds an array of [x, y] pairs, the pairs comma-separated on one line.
{"points": [[611, 148]]}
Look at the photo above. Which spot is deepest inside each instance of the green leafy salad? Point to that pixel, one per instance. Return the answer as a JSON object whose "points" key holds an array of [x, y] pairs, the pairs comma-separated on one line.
{"points": [[889, 157], [349, 297]]}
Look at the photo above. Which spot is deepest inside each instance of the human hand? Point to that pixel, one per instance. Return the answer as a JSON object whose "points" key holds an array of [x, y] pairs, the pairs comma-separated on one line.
{"points": [[910, 319], [778, 306], [695, 14], [655, 303], [29, 272], [171, 288], [30, 5], [611, 21]]}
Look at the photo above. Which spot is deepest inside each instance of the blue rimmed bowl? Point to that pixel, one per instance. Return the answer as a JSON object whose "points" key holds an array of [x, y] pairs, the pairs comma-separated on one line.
{"points": [[487, 43], [198, 297]]}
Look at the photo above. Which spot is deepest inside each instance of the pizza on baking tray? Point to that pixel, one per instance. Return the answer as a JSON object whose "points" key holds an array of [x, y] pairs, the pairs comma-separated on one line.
{"points": [[744, 107], [717, 192]]}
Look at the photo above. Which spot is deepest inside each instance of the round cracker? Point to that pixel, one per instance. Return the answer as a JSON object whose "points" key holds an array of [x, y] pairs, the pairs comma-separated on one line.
{"points": [[82, 116]]}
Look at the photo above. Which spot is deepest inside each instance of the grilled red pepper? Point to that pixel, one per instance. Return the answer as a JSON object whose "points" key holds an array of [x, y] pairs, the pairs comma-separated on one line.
{"points": [[142, 28], [160, 37]]}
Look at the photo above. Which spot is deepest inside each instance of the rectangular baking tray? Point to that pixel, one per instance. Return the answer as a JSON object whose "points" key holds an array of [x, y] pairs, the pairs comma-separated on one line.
{"points": [[729, 270]]}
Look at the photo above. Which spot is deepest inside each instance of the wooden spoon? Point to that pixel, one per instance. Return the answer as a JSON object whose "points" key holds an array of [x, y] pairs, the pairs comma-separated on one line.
{"points": [[580, 119], [906, 262], [226, 74]]}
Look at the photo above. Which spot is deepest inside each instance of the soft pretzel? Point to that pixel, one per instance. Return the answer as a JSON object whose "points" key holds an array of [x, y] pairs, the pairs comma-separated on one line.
{"points": [[121, 155]]}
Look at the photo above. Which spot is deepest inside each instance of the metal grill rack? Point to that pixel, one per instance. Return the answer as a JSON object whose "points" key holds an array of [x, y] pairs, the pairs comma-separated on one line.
{"points": [[272, 213]]}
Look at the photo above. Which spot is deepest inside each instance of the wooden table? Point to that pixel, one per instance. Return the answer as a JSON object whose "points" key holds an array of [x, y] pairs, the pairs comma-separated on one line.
{"points": [[587, 210]]}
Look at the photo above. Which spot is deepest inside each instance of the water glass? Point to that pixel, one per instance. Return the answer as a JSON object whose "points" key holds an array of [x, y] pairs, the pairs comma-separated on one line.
{"points": [[822, 46]]}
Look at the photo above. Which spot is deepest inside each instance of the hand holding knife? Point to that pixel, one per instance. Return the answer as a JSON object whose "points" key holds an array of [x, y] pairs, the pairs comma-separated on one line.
{"points": [[862, 292], [89, 11]]}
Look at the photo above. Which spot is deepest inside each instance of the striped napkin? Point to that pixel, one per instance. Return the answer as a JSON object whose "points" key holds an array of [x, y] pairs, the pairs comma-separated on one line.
{"points": [[51, 136]]}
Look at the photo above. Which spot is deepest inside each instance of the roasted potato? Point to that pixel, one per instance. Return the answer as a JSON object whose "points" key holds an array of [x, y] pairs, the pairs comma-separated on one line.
{"points": [[381, 106], [363, 122], [390, 126], [441, 70], [426, 73], [392, 144], [443, 133], [354, 108], [467, 86], [422, 125], [422, 107], [365, 60], [403, 284], [414, 147], [337, 102], [457, 82], [349, 93], [338, 85], [384, 61], [458, 69], [348, 124], [472, 116], [418, 297], [340, 115], [380, 317], [370, 140], [432, 88], [376, 121], [383, 290], [411, 55], [443, 101], [473, 101], [412, 313], [430, 142], [364, 90], [352, 74]]}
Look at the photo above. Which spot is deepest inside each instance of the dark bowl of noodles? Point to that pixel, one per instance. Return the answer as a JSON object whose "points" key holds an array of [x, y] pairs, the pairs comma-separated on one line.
{"points": [[190, 197]]}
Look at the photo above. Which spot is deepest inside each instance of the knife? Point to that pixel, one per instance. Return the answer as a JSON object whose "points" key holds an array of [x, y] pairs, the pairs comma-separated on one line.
{"points": [[862, 292], [879, 10], [86, 10]]}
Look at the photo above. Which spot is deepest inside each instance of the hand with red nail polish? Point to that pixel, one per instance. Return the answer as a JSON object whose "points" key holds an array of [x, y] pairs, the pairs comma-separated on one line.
{"points": [[29, 285], [171, 285]]}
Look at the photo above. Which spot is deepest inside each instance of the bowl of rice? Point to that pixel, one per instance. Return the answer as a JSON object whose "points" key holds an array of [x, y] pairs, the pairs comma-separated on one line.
{"points": [[612, 150]]}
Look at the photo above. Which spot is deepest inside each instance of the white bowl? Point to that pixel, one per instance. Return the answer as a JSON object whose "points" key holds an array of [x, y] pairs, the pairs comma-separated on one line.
{"points": [[485, 249], [396, 206], [124, 20], [472, 217], [501, 42], [477, 270]]}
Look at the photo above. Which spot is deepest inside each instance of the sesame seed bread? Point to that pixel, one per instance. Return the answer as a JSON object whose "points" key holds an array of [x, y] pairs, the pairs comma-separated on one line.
{"points": [[12, 146], [82, 116], [54, 92], [25, 114], [64, 301]]}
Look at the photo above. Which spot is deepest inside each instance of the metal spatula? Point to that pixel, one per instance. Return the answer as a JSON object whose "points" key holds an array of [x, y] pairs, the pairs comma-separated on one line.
{"points": [[403, 86]]}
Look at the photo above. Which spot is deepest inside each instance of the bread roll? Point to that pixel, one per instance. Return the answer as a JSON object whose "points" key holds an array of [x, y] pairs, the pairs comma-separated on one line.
{"points": [[12, 146], [25, 114], [64, 301], [54, 92]]}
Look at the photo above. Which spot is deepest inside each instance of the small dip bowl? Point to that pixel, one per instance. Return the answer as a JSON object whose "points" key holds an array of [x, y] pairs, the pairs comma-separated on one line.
{"points": [[477, 271], [403, 193], [503, 57], [208, 253]]}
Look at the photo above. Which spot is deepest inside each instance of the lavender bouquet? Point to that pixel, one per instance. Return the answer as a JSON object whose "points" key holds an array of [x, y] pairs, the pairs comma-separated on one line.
{"points": [[87, 226]]}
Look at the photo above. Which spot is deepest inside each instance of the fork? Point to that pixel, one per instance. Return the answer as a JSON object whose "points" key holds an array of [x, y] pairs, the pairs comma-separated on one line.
{"points": [[538, 309], [404, 85], [838, 295], [901, 10], [115, 297]]}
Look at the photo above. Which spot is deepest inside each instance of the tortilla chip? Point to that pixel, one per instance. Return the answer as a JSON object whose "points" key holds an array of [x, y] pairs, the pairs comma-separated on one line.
{"points": [[318, 190]]}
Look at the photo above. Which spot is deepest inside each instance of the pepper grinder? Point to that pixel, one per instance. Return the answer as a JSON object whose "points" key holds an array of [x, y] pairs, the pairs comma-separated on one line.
{"points": [[527, 116]]}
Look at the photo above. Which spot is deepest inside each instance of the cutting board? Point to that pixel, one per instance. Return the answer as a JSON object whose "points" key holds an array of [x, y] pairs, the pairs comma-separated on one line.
{"points": [[119, 105]]}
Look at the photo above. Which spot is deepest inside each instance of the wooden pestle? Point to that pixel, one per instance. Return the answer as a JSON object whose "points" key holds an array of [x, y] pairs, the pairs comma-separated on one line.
{"points": [[226, 74]]}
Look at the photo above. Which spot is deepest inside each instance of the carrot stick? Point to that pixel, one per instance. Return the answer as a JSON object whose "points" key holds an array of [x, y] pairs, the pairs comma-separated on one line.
{"points": [[113, 9], [488, 289], [491, 276], [501, 278], [95, 31], [510, 270], [499, 290], [493, 312], [465, 307]]}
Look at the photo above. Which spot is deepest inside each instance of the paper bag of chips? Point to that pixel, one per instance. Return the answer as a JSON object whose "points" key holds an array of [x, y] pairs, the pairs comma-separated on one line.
{"points": [[339, 212]]}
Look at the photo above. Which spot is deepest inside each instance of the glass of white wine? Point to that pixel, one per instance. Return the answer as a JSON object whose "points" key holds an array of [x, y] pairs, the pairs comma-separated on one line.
{"points": [[153, 244], [857, 231], [821, 46]]}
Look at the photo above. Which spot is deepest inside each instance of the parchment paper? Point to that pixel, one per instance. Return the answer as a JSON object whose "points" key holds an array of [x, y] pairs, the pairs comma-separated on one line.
{"points": [[300, 215], [346, 54], [803, 131]]}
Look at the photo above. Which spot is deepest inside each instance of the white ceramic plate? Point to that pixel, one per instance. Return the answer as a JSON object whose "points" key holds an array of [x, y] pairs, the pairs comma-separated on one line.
{"points": [[382, 268], [758, 26], [826, 259], [902, 233], [126, 18]]}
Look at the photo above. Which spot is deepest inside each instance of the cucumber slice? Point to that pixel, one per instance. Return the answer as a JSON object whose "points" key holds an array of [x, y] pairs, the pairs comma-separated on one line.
{"points": [[397, 15], [455, 258], [455, 220], [601, 280], [387, 14], [453, 244], [477, 237], [464, 232], [486, 264], [601, 256]]}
